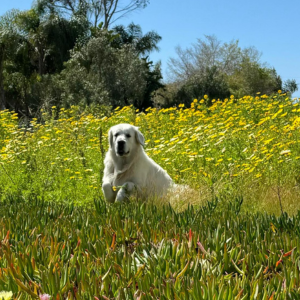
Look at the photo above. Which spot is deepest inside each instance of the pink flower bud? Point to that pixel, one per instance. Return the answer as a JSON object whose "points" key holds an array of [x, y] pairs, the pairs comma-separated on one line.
{"points": [[45, 297]]}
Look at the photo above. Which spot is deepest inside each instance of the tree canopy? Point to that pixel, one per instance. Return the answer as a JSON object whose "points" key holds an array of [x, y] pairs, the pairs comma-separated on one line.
{"points": [[66, 52], [96, 11], [210, 67], [50, 58]]}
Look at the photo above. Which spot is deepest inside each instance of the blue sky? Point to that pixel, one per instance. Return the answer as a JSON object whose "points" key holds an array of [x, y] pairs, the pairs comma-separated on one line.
{"points": [[272, 26]]}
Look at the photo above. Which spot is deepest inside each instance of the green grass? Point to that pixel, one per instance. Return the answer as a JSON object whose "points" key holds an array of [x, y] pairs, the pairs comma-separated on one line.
{"points": [[126, 251]]}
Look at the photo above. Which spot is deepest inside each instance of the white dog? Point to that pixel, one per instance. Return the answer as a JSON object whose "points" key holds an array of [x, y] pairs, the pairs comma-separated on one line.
{"points": [[128, 167]]}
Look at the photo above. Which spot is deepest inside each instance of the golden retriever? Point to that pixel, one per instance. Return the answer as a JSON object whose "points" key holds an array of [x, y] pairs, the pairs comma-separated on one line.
{"points": [[127, 167]]}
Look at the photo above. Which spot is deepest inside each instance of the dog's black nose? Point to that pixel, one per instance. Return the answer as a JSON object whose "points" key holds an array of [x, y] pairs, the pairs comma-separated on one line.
{"points": [[121, 144]]}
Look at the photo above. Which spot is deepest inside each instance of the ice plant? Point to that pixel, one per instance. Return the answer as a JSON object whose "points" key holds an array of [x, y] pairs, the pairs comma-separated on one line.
{"points": [[44, 297]]}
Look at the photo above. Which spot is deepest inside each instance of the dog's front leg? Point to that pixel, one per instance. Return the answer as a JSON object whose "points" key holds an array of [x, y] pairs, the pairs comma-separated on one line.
{"points": [[109, 193], [125, 191]]}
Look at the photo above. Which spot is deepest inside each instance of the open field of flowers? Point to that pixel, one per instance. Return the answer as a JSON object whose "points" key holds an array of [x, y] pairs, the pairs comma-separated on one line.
{"points": [[60, 240], [246, 147]]}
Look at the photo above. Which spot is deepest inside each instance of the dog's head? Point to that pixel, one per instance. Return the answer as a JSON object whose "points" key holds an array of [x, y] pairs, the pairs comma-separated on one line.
{"points": [[123, 139]]}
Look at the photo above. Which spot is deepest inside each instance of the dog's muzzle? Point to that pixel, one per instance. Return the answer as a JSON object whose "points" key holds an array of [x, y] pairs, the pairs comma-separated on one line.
{"points": [[121, 148]]}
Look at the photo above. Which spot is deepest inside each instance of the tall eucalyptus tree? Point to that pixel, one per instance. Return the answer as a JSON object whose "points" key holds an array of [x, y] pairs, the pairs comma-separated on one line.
{"points": [[96, 11]]}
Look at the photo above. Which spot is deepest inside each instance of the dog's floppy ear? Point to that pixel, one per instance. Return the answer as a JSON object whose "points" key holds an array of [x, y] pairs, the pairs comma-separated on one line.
{"points": [[110, 139], [139, 137]]}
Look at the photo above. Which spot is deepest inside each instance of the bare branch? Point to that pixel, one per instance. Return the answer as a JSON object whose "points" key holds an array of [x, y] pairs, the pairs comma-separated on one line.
{"points": [[113, 11], [108, 10]]}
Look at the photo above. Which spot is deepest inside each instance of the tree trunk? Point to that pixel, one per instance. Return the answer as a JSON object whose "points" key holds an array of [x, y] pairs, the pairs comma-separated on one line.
{"points": [[41, 53], [2, 93]]}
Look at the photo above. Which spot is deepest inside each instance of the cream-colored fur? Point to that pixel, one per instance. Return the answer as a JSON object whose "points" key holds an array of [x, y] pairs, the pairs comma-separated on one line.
{"points": [[128, 167]]}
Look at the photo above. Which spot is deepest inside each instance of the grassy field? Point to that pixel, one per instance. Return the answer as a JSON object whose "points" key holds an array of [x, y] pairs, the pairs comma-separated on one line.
{"points": [[245, 147], [236, 237]]}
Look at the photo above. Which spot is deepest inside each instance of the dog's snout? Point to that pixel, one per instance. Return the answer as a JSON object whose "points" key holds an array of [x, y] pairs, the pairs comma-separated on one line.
{"points": [[121, 143], [121, 147]]}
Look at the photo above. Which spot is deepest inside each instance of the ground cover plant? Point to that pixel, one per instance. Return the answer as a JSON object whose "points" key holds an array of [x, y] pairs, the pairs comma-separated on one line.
{"points": [[247, 147], [237, 237], [141, 251]]}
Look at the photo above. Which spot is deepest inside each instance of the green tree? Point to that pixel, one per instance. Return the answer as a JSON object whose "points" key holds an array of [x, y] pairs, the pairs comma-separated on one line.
{"points": [[250, 78], [218, 69], [61, 60], [206, 54], [33, 45], [133, 35], [290, 86], [10, 39], [212, 83], [100, 73], [52, 37], [143, 44]]}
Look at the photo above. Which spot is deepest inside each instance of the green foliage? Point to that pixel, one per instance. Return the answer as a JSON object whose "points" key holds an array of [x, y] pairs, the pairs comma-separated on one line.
{"points": [[100, 73], [51, 37], [133, 35], [10, 41], [218, 69], [37, 45], [212, 83], [251, 78], [139, 250], [47, 59], [290, 86]]}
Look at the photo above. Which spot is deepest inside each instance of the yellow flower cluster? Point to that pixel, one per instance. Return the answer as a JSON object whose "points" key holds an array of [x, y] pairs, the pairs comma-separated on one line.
{"points": [[251, 138]]}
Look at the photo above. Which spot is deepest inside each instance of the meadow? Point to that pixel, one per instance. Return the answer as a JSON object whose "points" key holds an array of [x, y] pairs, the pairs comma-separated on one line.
{"points": [[236, 237], [246, 147]]}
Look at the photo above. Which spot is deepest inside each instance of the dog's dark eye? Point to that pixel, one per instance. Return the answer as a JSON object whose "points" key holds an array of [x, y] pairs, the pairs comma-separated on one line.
{"points": [[116, 134], [128, 135]]}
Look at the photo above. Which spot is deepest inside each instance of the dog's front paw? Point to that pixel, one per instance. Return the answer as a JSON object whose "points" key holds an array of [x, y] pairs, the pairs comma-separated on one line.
{"points": [[108, 192], [121, 195], [125, 191]]}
